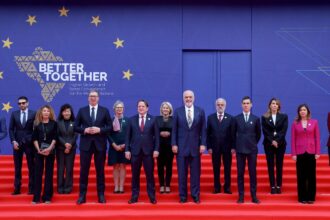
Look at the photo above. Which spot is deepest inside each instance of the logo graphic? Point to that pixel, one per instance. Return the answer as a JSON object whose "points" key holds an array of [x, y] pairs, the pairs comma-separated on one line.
{"points": [[52, 73], [26, 65]]}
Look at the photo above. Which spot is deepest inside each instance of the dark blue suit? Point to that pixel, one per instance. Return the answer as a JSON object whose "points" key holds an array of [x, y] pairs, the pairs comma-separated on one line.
{"points": [[92, 144], [142, 144], [188, 141], [219, 139], [23, 136], [246, 138]]}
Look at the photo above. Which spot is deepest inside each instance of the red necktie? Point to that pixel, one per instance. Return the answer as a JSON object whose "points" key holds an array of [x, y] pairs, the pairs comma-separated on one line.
{"points": [[142, 123]]}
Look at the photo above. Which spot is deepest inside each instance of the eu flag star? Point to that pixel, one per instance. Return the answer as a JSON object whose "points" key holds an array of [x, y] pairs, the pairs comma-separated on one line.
{"points": [[1, 75], [127, 74], [96, 20], [31, 20], [6, 107], [7, 43], [63, 12], [118, 43]]}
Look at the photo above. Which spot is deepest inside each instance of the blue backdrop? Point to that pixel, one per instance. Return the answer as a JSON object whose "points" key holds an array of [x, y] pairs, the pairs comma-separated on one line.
{"points": [[155, 50]]}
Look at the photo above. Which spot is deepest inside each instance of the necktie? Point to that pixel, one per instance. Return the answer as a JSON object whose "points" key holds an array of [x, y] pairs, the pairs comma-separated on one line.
{"points": [[24, 119], [246, 118], [93, 115], [189, 118], [116, 124], [142, 123], [220, 118]]}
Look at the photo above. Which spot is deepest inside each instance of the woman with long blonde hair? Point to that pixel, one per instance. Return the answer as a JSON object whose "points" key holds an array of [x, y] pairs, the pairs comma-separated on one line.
{"points": [[44, 139]]}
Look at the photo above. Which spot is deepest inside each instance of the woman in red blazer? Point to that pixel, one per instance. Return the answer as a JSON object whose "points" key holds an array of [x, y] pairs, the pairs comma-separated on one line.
{"points": [[305, 149]]}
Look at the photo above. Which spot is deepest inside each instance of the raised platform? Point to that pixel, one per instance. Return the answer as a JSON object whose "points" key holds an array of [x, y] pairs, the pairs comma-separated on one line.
{"points": [[219, 206]]}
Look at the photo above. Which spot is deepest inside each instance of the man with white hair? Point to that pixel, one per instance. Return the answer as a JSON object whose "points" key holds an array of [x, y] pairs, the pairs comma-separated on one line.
{"points": [[188, 142], [219, 143]]}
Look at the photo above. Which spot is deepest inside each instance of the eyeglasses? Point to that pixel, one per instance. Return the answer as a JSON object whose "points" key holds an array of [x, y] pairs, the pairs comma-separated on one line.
{"points": [[21, 103]]}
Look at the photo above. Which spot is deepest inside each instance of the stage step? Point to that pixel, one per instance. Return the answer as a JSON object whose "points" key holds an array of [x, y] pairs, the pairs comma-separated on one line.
{"points": [[213, 206]]}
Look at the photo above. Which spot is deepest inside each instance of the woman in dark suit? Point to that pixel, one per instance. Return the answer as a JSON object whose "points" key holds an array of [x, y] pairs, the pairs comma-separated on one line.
{"points": [[305, 150], [165, 158], [274, 127], [65, 149], [44, 139], [116, 157]]}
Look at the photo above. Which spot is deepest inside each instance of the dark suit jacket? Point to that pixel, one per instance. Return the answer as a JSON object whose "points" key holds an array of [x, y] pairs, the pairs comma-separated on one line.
{"points": [[246, 134], [146, 140], [18, 133], [275, 132], [219, 135], [66, 135], [188, 139], [329, 129], [84, 120], [3, 128]]}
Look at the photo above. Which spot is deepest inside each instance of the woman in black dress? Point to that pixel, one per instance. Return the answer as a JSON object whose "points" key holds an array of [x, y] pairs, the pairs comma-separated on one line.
{"points": [[44, 139], [116, 157], [165, 158], [274, 127], [65, 149]]}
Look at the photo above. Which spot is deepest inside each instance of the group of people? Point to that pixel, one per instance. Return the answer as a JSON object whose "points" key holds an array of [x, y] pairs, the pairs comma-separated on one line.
{"points": [[140, 139]]}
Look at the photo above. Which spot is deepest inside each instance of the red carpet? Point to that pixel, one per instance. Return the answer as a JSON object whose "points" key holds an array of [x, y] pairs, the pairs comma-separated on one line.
{"points": [[219, 206]]}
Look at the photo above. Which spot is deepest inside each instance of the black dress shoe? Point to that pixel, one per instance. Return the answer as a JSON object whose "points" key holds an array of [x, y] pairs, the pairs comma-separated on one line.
{"points": [[240, 200], [16, 192], [216, 191], [101, 199], [196, 200], [132, 201], [273, 190], [255, 200], [310, 202], [153, 201], [227, 192], [303, 202], [183, 200], [81, 200], [278, 190]]}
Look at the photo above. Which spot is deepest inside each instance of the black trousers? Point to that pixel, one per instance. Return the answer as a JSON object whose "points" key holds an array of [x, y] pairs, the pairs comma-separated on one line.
{"points": [[18, 159], [65, 163], [252, 165], [165, 160], [216, 162], [85, 163], [275, 156], [306, 177], [148, 166], [47, 163]]}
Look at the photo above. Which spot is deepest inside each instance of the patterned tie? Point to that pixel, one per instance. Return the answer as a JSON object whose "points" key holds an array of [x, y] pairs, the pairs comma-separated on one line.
{"points": [[93, 115], [220, 118], [142, 124], [189, 118], [24, 119]]}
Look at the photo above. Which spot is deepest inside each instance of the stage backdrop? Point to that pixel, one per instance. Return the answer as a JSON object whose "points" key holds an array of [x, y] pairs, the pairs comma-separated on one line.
{"points": [[56, 52]]}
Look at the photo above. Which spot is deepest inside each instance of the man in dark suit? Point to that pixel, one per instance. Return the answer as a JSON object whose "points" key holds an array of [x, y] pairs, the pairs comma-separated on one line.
{"points": [[93, 123], [188, 142], [219, 144], [20, 132], [141, 147], [247, 132]]}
